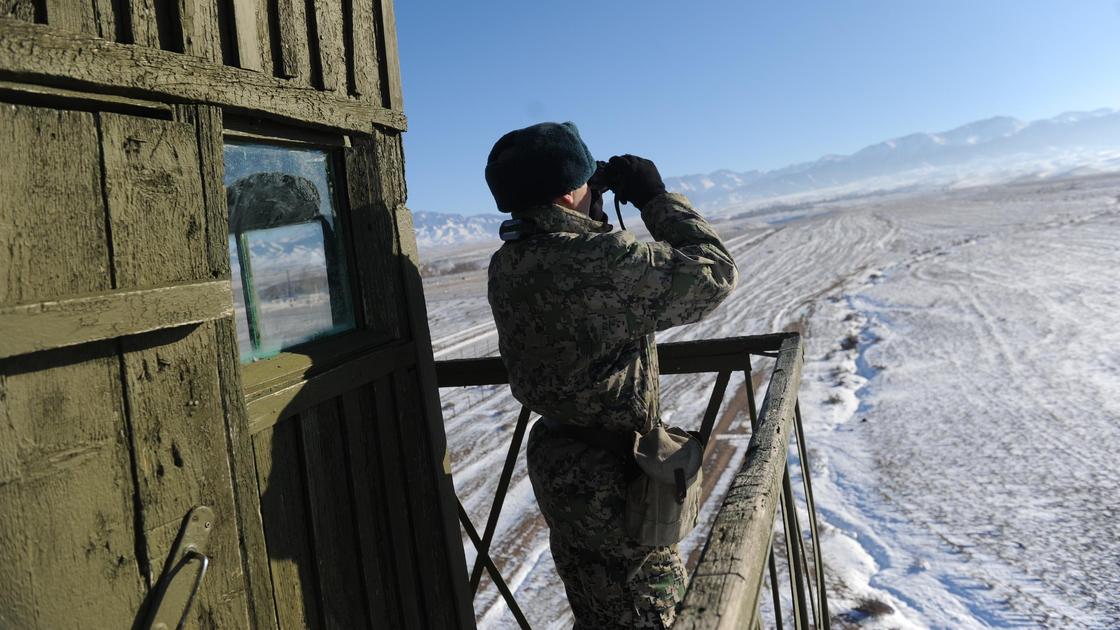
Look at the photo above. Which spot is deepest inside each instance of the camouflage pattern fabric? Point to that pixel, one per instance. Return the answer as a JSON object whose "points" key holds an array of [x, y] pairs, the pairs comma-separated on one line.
{"points": [[576, 307]]}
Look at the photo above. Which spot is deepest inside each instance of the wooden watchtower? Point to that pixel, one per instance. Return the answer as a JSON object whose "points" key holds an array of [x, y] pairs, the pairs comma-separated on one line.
{"points": [[217, 392]]}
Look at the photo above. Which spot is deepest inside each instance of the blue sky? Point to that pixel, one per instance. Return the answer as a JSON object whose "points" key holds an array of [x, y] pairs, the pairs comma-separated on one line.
{"points": [[717, 84]]}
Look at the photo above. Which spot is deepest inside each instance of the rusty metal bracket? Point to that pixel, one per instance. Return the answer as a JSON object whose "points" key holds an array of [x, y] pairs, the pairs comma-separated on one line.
{"points": [[182, 576]]}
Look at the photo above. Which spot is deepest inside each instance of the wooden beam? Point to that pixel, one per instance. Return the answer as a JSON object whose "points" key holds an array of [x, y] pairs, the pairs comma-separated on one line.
{"points": [[267, 410], [295, 62], [723, 591], [72, 15], [365, 77], [145, 29], [198, 23], [62, 98], [59, 323], [687, 357], [248, 38], [328, 34], [30, 52], [390, 59]]}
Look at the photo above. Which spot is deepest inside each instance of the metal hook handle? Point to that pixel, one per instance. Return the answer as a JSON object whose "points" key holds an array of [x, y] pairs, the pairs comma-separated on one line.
{"points": [[190, 554]]}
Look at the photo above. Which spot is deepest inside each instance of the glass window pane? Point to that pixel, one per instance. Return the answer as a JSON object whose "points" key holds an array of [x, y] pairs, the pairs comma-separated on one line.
{"points": [[286, 247]]}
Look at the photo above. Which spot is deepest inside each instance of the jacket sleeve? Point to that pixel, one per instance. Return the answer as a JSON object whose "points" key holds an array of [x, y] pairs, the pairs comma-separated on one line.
{"points": [[680, 278]]}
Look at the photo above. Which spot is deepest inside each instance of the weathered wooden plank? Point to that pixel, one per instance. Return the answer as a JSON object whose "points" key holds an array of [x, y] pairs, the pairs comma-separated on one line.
{"points": [[687, 357], [723, 591], [328, 34], [373, 232], [284, 510], [157, 227], [395, 482], [72, 15], [390, 59], [52, 217], [365, 78], [295, 59], [428, 413], [286, 369], [66, 544], [62, 98], [142, 18], [375, 545], [174, 403], [248, 38], [66, 518], [198, 23], [424, 502], [270, 409], [209, 130], [109, 24], [24, 10], [59, 323], [154, 192], [37, 54], [332, 518], [262, 9], [243, 470]]}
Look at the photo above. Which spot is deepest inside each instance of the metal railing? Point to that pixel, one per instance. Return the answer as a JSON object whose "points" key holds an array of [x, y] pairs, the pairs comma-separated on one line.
{"points": [[725, 589]]}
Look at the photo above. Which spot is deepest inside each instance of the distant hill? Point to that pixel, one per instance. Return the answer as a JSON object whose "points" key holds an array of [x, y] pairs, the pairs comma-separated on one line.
{"points": [[991, 150], [435, 228]]}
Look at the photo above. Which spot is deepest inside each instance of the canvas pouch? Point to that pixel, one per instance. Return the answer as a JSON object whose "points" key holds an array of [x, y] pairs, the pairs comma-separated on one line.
{"points": [[663, 502]]}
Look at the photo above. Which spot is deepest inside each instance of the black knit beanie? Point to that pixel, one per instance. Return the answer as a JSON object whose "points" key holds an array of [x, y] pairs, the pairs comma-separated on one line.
{"points": [[537, 164]]}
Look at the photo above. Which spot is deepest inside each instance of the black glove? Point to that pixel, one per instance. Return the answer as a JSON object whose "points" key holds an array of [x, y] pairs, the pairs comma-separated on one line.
{"points": [[634, 180]]}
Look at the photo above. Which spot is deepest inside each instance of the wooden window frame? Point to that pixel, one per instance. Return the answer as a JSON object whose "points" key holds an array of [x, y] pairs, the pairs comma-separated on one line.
{"points": [[305, 366]]}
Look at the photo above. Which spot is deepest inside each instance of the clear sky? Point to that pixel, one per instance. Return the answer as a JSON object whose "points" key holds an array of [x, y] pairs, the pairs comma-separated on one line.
{"points": [[737, 84]]}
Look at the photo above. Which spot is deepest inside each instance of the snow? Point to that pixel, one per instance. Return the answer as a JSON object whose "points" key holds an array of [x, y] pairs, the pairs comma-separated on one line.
{"points": [[961, 398]]}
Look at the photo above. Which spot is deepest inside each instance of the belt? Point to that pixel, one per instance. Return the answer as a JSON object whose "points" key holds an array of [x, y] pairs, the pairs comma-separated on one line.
{"points": [[617, 442]]}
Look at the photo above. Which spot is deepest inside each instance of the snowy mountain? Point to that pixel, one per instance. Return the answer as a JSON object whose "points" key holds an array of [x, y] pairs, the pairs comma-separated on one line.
{"points": [[989, 151], [436, 228], [986, 151]]}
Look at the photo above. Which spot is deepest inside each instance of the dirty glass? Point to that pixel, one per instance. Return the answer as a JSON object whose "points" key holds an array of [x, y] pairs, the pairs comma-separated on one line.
{"points": [[286, 248]]}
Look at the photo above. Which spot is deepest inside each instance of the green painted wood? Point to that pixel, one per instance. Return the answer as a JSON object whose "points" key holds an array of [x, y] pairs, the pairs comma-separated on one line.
{"points": [[295, 56], [72, 15], [268, 410], [198, 26], [60, 323], [372, 229], [328, 34], [24, 10], [208, 125], [396, 484], [67, 552], [286, 516], [142, 18], [365, 79], [77, 60], [248, 37], [375, 544], [157, 231], [332, 519]]}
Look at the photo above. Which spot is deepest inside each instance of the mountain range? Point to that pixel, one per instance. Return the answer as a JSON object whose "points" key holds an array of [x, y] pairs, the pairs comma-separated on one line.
{"points": [[992, 150]]}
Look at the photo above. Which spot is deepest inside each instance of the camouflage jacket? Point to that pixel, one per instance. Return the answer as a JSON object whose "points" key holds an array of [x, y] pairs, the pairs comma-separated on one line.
{"points": [[576, 307]]}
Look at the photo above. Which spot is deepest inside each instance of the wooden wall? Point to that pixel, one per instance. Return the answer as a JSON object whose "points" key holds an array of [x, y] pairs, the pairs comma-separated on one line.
{"points": [[326, 466], [322, 63]]}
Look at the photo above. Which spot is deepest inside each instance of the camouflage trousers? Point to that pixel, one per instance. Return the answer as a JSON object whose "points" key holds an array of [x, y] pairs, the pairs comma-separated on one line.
{"points": [[611, 581]]}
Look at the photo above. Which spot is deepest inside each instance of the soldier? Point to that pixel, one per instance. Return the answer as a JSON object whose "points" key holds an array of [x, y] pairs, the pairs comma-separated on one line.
{"points": [[576, 306]]}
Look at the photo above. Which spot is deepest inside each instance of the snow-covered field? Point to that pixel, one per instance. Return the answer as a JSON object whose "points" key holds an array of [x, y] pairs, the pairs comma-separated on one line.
{"points": [[961, 395]]}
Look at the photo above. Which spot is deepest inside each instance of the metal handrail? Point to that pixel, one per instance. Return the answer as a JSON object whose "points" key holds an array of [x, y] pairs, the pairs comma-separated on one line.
{"points": [[725, 588]]}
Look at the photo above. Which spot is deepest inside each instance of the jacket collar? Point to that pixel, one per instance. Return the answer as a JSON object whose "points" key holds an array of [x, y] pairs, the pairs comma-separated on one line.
{"points": [[555, 218]]}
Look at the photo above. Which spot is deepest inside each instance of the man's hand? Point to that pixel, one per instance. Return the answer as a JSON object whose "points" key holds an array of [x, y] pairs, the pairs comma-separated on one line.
{"points": [[634, 179]]}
